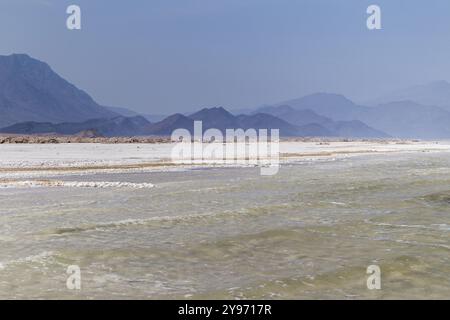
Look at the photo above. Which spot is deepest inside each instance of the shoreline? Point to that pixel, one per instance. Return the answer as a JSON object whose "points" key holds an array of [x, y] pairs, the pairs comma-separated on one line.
{"points": [[73, 139], [54, 139], [28, 160]]}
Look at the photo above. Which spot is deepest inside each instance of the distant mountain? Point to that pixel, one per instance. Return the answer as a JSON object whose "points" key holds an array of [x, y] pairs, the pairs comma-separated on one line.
{"points": [[221, 119], [352, 128], [334, 106], [356, 129], [130, 113], [170, 124], [407, 119], [296, 117], [154, 117], [240, 111], [34, 99], [31, 91], [123, 111], [399, 119], [267, 121], [315, 130], [436, 93], [115, 127], [217, 118]]}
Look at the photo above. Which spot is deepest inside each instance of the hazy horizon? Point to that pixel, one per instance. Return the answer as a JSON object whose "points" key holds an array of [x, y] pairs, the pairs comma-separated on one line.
{"points": [[155, 57]]}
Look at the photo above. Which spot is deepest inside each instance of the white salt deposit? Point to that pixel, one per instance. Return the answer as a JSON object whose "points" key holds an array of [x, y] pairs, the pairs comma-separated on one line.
{"points": [[37, 161], [74, 184]]}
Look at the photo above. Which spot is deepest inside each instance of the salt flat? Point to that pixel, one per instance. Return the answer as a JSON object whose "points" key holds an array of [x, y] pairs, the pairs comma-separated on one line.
{"points": [[129, 156], [19, 162]]}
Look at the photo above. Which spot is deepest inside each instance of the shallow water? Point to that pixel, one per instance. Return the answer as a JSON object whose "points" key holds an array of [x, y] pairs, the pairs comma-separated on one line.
{"points": [[308, 232]]}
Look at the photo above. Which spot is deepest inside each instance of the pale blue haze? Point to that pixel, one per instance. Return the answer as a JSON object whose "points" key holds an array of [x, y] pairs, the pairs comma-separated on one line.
{"points": [[162, 56]]}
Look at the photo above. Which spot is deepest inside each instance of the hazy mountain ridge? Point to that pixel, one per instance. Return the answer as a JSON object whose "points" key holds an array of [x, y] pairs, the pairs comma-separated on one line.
{"points": [[114, 127], [334, 106], [131, 113], [350, 128], [436, 93], [400, 119], [31, 91], [408, 119], [221, 119], [34, 99], [217, 118]]}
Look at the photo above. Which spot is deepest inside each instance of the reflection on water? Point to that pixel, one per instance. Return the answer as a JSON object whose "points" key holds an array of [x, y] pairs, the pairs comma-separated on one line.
{"points": [[309, 232]]}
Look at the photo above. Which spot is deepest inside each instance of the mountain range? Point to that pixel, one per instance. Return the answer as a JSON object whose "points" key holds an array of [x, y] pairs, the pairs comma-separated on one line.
{"points": [[118, 126], [400, 119], [302, 117], [130, 113], [436, 93], [36, 100], [31, 91], [217, 118]]}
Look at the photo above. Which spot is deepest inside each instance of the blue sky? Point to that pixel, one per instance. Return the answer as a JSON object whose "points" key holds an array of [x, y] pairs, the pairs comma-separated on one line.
{"points": [[164, 56]]}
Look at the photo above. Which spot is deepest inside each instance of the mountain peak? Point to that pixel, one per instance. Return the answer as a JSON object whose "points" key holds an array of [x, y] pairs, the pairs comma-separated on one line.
{"points": [[217, 117], [17, 56], [31, 91], [212, 111], [21, 60], [22, 56], [175, 117]]}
